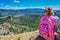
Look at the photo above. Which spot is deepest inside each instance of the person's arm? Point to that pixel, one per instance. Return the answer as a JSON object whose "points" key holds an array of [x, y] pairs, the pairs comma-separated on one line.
{"points": [[57, 29]]}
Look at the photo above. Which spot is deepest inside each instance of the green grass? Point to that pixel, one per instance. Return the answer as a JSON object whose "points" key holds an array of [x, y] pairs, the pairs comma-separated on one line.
{"points": [[22, 24]]}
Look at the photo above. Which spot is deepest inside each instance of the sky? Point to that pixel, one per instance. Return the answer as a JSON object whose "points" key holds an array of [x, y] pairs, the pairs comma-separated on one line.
{"points": [[20, 4]]}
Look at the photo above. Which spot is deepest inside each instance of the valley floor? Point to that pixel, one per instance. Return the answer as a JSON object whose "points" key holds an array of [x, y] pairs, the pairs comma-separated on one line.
{"points": [[23, 36]]}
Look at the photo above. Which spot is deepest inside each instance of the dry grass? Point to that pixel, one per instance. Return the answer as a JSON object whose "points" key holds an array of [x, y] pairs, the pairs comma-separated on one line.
{"points": [[23, 36]]}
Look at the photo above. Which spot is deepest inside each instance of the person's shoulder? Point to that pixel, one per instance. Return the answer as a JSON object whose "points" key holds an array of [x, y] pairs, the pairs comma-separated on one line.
{"points": [[53, 17]]}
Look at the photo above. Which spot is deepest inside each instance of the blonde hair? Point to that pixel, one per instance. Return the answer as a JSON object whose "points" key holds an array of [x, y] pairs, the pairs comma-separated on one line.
{"points": [[49, 11]]}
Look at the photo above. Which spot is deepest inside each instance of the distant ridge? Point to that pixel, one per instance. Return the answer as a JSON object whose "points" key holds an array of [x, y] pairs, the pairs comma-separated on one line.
{"points": [[27, 11]]}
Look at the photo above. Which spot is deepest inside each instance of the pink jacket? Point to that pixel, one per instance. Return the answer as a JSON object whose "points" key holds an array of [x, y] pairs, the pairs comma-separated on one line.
{"points": [[47, 29]]}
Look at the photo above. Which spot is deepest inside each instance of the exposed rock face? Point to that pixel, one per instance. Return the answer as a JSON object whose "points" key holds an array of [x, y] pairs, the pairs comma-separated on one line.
{"points": [[4, 29]]}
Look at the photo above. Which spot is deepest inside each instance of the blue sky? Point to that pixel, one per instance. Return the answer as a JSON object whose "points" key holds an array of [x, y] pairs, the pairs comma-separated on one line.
{"points": [[19, 4]]}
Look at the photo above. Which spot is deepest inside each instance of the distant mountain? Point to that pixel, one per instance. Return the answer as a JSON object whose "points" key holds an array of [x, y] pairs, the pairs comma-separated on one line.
{"points": [[6, 12], [31, 11], [57, 11], [22, 10]]}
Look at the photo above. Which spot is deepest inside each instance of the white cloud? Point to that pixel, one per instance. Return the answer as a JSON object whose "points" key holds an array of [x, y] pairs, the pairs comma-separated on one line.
{"points": [[11, 7], [15, 8], [57, 7], [6, 7], [54, 7], [17, 1]]}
